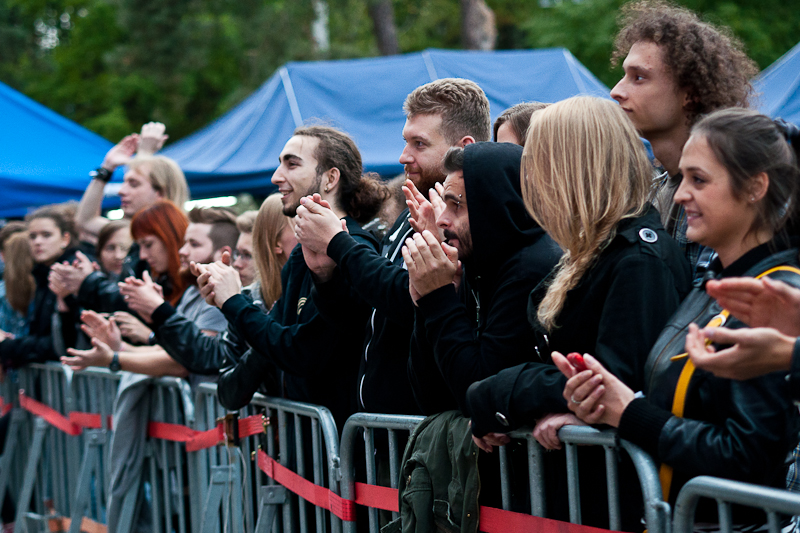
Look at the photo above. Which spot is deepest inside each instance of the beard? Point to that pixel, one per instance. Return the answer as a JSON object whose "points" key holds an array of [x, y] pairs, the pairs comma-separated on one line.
{"points": [[427, 178], [290, 210], [464, 243]]}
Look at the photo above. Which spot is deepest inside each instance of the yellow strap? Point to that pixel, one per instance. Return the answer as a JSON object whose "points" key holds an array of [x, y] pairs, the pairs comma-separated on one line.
{"points": [[682, 388]]}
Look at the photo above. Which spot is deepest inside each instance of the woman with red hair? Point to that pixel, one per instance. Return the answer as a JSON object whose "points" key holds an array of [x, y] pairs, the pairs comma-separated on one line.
{"points": [[159, 231]]}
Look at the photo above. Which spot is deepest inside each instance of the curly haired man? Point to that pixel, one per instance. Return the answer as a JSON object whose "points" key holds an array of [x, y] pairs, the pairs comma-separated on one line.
{"points": [[677, 68]]}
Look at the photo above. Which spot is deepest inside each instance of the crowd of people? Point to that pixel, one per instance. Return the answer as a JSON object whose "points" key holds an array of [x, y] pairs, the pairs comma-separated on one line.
{"points": [[560, 275]]}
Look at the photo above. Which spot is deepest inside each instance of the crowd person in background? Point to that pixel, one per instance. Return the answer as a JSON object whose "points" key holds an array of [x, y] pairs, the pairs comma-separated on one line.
{"points": [[470, 325], [319, 359], [52, 236], [211, 232], [391, 209], [512, 124], [273, 242], [621, 277], [441, 114], [243, 260], [739, 188], [113, 244], [147, 180], [677, 69], [18, 285]]}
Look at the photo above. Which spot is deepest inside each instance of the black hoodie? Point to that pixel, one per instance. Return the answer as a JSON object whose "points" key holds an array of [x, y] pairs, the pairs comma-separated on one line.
{"points": [[460, 339]]}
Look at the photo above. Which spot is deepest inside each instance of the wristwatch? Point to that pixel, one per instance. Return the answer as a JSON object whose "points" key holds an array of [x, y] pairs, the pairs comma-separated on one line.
{"points": [[151, 340], [102, 174], [115, 366]]}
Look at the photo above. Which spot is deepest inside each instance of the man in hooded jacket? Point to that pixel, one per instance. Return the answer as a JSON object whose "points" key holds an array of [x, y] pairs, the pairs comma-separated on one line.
{"points": [[470, 331]]}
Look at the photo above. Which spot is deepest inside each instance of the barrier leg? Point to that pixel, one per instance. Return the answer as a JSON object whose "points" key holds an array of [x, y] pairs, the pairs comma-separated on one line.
{"points": [[89, 468], [224, 490], [40, 428], [7, 460], [272, 499]]}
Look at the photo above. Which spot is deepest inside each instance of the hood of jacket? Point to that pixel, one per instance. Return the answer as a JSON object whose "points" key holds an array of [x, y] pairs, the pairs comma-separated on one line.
{"points": [[499, 223]]}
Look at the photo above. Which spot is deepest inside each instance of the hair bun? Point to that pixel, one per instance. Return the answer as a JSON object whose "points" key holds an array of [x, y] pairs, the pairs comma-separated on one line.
{"points": [[790, 131]]}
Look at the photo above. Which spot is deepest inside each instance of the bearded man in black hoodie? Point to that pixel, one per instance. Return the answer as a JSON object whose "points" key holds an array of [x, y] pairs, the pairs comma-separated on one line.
{"points": [[472, 323]]}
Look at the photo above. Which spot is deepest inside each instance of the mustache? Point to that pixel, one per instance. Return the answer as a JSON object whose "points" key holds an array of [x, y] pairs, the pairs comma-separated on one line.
{"points": [[448, 235]]}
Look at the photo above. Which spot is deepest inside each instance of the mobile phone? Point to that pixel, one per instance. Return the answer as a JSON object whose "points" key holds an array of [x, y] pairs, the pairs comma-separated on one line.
{"points": [[576, 360]]}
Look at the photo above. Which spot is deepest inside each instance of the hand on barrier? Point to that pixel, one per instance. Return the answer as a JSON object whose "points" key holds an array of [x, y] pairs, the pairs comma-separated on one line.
{"points": [[595, 395], [761, 302], [152, 138], [121, 153], [488, 441], [430, 264], [99, 355], [316, 223], [102, 329], [424, 212], [546, 430], [752, 353], [132, 328], [143, 296]]}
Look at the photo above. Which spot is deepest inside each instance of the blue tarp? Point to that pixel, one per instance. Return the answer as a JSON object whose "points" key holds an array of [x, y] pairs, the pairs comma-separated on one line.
{"points": [[46, 158], [364, 97], [779, 86]]}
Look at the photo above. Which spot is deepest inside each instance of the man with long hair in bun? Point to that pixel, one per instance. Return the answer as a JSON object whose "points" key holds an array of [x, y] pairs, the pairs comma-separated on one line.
{"points": [[319, 360]]}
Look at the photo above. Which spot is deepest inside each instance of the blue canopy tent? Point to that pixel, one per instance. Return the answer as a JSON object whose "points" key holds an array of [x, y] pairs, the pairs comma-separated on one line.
{"points": [[364, 97], [779, 85], [46, 157]]}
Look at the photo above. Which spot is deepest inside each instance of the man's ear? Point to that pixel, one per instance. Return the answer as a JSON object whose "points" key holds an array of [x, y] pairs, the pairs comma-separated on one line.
{"points": [[219, 251], [759, 184], [465, 140], [331, 179]]}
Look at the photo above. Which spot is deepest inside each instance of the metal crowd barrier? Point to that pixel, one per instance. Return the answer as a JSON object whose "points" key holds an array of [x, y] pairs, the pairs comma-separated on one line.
{"points": [[307, 442], [657, 512], [368, 423], [725, 492], [217, 489]]}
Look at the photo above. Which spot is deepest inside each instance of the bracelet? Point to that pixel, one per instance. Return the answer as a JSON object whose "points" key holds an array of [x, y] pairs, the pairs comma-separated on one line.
{"points": [[102, 174]]}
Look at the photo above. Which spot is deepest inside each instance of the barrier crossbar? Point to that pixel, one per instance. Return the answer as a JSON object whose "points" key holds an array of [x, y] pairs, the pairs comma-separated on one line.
{"points": [[726, 492]]}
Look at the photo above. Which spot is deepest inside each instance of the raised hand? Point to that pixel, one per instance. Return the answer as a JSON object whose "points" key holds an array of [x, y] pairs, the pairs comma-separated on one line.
{"points": [[152, 138], [121, 153], [132, 328], [429, 264], [99, 355], [95, 326], [759, 303], [423, 212], [752, 352], [316, 223], [143, 296]]}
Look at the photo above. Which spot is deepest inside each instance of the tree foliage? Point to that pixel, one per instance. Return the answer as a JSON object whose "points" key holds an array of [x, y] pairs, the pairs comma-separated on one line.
{"points": [[113, 64]]}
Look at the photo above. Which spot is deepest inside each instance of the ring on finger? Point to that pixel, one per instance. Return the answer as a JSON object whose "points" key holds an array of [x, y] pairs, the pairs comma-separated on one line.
{"points": [[573, 400]]}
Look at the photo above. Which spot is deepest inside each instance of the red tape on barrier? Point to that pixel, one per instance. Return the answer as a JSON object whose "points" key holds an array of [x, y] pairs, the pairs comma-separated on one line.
{"points": [[200, 440], [491, 520], [73, 425], [314, 494]]}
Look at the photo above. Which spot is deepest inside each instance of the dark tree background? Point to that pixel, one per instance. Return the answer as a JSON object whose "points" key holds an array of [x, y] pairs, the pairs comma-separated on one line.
{"points": [[113, 64]]}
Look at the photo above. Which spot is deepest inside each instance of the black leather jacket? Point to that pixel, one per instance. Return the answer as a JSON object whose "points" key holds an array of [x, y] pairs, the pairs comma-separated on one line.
{"points": [[739, 430]]}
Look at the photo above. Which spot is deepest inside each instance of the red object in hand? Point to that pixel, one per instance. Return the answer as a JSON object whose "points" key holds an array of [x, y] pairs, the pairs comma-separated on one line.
{"points": [[576, 360]]}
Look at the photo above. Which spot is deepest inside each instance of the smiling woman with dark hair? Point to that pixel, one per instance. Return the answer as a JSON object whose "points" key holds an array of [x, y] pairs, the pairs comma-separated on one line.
{"points": [[739, 189]]}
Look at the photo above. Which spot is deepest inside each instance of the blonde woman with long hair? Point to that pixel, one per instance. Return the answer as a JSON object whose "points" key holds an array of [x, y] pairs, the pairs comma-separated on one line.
{"points": [[273, 242], [587, 182]]}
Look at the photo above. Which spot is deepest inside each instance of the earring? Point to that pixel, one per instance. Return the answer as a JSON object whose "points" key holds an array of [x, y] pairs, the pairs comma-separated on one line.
{"points": [[326, 189], [752, 198]]}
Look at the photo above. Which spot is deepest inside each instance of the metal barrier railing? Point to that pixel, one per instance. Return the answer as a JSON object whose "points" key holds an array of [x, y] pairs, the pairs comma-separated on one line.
{"points": [[368, 423], [216, 489], [727, 492], [307, 442], [657, 512]]}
